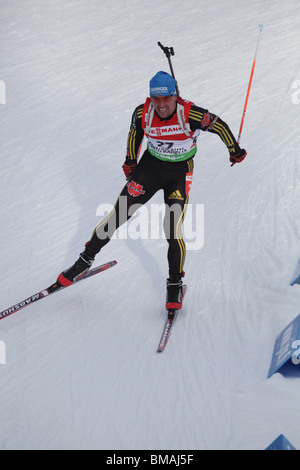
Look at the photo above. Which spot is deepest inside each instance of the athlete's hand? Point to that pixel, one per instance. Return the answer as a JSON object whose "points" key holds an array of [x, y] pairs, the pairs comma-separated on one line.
{"points": [[129, 170], [238, 157]]}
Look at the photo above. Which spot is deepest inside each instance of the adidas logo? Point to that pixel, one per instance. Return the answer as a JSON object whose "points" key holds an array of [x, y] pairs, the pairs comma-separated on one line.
{"points": [[176, 195]]}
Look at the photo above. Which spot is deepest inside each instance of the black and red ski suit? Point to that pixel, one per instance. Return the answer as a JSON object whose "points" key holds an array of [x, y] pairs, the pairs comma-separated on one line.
{"points": [[163, 166]]}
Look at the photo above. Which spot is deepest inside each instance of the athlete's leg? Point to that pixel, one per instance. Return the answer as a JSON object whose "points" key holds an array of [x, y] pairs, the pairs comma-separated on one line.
{"points": [[176, 194], [137, 191]]}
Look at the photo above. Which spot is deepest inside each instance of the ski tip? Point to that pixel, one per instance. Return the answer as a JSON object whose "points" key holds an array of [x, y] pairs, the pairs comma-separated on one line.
{"points": [[109, 264], [112, 263]]}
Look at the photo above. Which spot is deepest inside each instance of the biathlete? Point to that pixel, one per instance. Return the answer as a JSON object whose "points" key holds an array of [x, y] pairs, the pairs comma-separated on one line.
{"points": [[171, 126]]}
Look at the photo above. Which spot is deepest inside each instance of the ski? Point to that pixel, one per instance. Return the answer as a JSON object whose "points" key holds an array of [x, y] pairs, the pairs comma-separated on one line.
{"points": [[166, 333], [172, 314], [53, 288]]}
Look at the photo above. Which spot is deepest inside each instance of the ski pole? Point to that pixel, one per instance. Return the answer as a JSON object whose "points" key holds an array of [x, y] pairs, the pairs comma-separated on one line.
{"points": [[249, 86], [169, 51]]}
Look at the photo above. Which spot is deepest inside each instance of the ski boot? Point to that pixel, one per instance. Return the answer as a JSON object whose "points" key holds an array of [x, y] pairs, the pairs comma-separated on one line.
{"points": [[75, 272], [174, 293]]}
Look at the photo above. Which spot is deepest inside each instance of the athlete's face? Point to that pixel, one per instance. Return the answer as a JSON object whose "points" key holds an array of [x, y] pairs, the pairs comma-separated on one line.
{"points": [[164, 105]]}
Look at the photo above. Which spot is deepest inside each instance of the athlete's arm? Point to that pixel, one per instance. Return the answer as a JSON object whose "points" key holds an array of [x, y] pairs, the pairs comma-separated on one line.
{"points": [[135, 136], [200, 118]]}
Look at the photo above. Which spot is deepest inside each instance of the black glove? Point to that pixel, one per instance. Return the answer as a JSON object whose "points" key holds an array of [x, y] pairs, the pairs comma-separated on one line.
{"points": [[238, 157], [129, 170]]}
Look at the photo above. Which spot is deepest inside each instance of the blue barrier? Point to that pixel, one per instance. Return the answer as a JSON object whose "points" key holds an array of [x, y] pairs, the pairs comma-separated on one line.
{"points": [[287, 347], [296, 276], [281, 443]]}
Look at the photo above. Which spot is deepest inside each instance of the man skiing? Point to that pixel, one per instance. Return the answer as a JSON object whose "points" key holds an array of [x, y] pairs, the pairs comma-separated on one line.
{"points": [[172, 126]]}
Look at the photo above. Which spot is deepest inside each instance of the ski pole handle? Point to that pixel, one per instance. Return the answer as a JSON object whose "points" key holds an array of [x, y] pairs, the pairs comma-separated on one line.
{"points": [[167, 50]]}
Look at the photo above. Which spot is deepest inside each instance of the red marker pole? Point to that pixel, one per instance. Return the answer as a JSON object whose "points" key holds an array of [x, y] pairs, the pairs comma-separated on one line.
{"points": [[249, 86]]}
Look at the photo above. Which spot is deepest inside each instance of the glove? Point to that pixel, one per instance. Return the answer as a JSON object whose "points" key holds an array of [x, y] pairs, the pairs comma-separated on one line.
{"points": [[129, 170], [238, 157]]}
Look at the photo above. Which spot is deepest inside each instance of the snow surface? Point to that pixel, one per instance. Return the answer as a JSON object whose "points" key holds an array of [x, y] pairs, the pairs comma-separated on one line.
{"points": [[81, 369]]}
